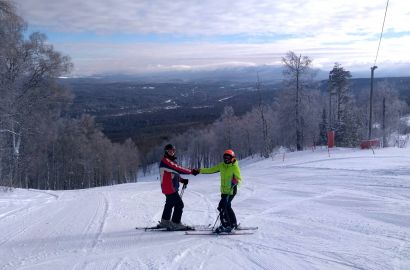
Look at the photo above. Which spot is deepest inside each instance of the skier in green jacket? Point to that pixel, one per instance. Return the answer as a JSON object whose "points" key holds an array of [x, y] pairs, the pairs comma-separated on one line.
{"points": [[230, 180]]}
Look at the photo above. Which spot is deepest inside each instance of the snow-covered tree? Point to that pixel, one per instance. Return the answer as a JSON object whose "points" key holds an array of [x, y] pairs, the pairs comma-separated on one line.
{"points": [[39, 148], [297, 70]]}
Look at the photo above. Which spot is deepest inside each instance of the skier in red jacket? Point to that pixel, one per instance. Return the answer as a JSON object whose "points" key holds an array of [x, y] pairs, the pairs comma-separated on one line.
{"points": [[170, 178]]}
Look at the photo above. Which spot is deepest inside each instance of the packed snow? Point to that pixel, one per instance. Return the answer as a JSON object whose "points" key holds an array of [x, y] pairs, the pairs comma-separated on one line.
{"points": [[342, 209]]}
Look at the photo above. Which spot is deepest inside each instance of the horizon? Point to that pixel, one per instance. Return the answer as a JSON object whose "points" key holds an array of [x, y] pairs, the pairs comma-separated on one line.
{"points": [[145, 37], [267, 74]]}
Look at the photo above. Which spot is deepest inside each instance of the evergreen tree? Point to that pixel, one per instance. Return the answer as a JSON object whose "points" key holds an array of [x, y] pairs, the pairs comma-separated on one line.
{"points": [[339, 80], [347, 129]]}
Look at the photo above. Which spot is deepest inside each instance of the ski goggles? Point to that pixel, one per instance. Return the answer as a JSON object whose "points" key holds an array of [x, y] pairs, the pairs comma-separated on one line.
{"points": [[227, 158]]}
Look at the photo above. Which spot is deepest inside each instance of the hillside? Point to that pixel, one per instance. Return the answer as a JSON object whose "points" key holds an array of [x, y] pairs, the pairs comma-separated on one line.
{"points": [[346, 209], [152, 112]]}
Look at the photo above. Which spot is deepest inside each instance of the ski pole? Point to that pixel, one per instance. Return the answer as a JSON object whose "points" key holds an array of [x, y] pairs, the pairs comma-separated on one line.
{"points": [[225, 210], [182, 191], [216, 221]]}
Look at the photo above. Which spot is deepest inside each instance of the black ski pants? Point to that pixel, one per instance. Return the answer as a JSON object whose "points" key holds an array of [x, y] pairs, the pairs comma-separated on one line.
{"points": [[227, 215], [173, 201]]}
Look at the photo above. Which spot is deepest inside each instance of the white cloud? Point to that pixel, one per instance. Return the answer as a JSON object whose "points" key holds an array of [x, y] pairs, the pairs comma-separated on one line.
{"points": [[328, 31], [215, 17]]}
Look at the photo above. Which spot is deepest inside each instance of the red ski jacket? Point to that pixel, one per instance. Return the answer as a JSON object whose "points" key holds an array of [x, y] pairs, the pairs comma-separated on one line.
{"points": [[169, 172]]}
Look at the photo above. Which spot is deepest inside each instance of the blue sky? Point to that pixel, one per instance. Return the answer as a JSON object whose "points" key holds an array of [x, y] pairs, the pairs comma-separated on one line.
{"points": [[129, 36]]}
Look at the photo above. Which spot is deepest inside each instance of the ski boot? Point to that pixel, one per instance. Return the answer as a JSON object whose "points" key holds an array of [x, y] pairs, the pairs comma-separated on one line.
{"points": [[223, 229], [179, 227], [165, 224]]}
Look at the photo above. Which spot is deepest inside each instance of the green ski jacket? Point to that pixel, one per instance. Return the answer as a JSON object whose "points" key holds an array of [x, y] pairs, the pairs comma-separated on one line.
{"points": [[229, 173]]}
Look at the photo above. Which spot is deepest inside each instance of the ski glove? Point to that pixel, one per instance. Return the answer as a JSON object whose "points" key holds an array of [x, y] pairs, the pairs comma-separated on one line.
{"points": [[234, 182], [184, 181], [195, 171]]}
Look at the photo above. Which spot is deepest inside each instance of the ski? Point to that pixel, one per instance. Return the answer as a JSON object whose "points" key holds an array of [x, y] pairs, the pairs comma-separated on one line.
{"points": [[204, 228], [161, 229], [222, 233], [156, 227], [240, 228], [237, 229]]}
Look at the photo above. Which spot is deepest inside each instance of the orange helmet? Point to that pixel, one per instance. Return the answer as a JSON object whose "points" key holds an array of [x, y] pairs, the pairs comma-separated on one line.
{"points": [[229, 156], [229, 152]]}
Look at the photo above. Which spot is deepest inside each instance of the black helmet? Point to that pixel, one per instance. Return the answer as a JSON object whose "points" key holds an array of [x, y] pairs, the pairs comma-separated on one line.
{"points": [[171, 155], [169, 147]]}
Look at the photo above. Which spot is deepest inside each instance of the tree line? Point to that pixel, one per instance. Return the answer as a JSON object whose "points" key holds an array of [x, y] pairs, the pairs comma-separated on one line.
{"points": [[38, 147], [299, 118], [41, 148]]}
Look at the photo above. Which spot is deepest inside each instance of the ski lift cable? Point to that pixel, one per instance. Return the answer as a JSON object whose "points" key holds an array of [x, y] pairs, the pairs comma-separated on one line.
{"points": [[381, 33]]}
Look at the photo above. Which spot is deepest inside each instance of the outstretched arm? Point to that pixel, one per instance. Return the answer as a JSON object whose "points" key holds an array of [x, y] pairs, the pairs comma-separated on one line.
{"points": [[213, 169], [171, 166]]}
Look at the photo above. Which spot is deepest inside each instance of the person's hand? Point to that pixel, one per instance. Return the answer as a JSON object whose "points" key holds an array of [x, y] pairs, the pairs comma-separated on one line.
{"points": [[184, 181], [195, 171], [234, 182]]}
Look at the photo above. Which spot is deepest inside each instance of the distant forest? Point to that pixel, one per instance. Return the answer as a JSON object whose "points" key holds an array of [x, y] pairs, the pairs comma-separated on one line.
{"points": [[152, 113], [156, 112]]}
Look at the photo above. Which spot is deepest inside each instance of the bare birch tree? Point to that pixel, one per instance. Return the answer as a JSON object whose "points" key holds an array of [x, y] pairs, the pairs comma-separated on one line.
{"points": [[39, 148], [296, 71], [28, 69], [264, 126]]}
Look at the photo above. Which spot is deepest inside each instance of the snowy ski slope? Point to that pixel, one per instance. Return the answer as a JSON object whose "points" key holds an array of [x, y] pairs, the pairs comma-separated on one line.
{"points": [[349, 210]]}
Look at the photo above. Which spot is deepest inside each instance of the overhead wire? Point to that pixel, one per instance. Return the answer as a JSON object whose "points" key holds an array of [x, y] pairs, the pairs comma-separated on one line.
{"points": [[381, 33]]}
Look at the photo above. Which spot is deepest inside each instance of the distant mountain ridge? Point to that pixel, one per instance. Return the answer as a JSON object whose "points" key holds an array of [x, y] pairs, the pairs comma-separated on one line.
{"points": [[244, 74]]}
